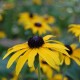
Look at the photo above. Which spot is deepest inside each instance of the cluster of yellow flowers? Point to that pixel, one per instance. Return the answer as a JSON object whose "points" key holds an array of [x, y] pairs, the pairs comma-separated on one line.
{"points": [[52, 53]]}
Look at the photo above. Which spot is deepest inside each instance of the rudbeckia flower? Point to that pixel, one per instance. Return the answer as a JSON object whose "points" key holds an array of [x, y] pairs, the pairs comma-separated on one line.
{"points": [[36, 45], [75, 28], [74, 54], [2, 34], [38, 26]]}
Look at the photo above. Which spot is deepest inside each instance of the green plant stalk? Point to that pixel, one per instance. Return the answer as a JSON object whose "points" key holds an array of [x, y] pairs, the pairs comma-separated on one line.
{"points": [[39, 72]]}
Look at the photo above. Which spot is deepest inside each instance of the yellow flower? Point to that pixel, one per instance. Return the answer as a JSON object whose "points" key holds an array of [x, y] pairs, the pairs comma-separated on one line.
{"points": [[35, 23], [48, 19], [36, 45], [1, 17], [59, 77], [75, 28], [74, 54], [38, 26], [2, 34]]}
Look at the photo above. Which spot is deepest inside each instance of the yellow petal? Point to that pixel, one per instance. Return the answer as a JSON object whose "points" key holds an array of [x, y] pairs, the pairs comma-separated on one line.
{"points": [[53, 55], [73, 46], [47, 58], [57, 47], [67, 60], [21, 61], [77, 60], [47, 37], [15, 48], [15, 56], [54, 41], [31, 57]]}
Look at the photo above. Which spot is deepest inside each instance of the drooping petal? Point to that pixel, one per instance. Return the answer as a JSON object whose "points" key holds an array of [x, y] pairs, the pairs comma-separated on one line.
{"points": [[31, 57], [51, 54], [77, 60], [57, 47], [47, 37], [54, 41], [14, 57], [21, 61], [47, 58], [16, 48], [67, 60]]}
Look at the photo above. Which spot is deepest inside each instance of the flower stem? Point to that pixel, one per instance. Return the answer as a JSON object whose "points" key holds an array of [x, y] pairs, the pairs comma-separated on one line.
{"points": [[39, 72]]}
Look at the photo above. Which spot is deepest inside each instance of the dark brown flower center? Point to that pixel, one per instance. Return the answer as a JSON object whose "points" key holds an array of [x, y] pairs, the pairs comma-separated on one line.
{"points": [[38, 24], [70, 49], [35, 42]]}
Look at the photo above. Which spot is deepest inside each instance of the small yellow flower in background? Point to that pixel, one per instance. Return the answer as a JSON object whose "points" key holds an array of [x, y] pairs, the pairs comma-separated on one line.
{"points": [[59, 77], [74, 53], [2, 34], [48, 19], [34, 22], [38, 26], [36, 45], [1, 18], [37, 2], [75, 28]]}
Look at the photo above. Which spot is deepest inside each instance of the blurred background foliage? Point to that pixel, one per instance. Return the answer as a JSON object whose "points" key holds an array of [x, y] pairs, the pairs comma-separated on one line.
{"points": [[64, 12]]}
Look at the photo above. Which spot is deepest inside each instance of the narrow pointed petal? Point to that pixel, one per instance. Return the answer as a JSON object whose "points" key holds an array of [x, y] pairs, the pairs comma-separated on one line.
{"points": [[21, 61], [14, 57], [47, 58], [48, 37], [57, 47], [77, 60], [15, 48], [31, 57]]}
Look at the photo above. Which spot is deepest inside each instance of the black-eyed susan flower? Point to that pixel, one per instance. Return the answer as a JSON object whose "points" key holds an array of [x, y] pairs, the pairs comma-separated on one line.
{"points": [[38, 26], [36, 45], [75, 28], [74, 54], [2, 34]]}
